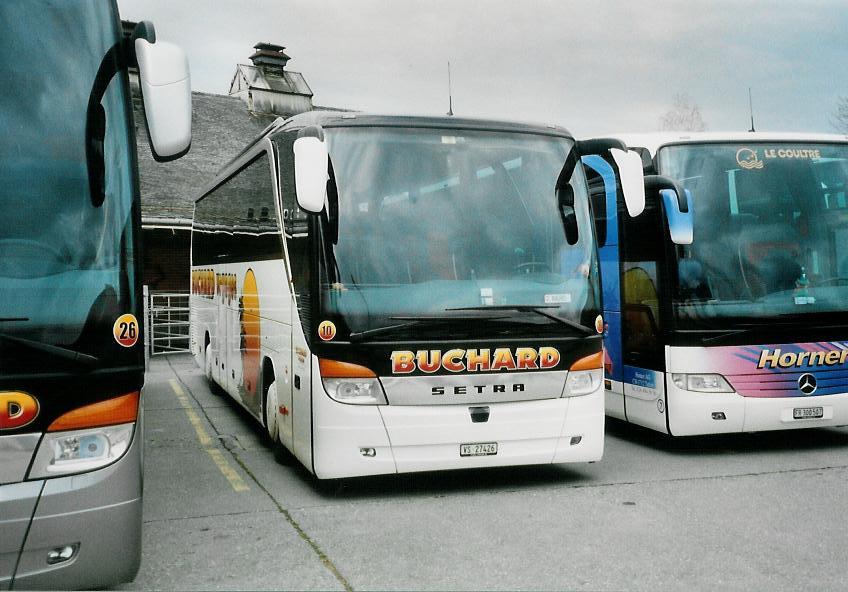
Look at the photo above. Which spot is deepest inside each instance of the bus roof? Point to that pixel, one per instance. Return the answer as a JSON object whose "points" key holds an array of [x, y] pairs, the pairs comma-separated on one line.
{"points": [[330, 119], [653, 141], [354, 118]]}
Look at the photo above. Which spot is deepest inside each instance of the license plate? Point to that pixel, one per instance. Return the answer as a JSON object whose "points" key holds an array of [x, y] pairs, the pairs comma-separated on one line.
{"points": [[808, 412], [481, 449]]}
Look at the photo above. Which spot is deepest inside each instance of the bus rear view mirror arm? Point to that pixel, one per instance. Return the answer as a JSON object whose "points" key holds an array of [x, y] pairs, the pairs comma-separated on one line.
{"points": [[676, 204], [659, 182], [599, 146], [310, 169], [165, 91]]}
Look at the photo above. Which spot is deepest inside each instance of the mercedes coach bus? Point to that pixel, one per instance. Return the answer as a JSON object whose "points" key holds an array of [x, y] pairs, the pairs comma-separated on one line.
{"points": [[394, 294], [71, 357], [726, 309]]}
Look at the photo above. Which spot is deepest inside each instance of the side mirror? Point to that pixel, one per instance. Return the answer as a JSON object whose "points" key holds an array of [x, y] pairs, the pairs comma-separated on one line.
{"points": [[310, 173], [166, 92], [629, 165], [680, 224], [677, 206]]}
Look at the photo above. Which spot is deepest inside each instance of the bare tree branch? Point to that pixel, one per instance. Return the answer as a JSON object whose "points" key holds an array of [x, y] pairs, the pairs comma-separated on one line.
{"points": [[684, 115], [839, 118]]}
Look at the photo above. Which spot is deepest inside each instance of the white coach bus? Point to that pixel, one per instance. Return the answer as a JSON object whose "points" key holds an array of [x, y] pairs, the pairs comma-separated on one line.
{"points": [[391, 294], [726, 309]]}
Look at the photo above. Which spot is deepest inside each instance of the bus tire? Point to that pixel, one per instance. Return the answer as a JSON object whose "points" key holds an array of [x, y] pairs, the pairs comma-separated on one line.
{"points": [[271, 411], [207, 363], [271, 420]]}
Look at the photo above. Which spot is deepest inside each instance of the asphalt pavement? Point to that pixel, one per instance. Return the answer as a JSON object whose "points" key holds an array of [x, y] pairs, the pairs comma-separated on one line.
{"points": [[740, 512]]}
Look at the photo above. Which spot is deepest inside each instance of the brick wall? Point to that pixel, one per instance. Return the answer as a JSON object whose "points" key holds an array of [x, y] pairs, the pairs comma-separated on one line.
{"points": [[165, 259]]}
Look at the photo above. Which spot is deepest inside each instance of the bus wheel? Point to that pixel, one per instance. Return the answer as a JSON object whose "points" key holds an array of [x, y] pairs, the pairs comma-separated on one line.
{"points": [[271, 413], [207, 363], [272, 402]]}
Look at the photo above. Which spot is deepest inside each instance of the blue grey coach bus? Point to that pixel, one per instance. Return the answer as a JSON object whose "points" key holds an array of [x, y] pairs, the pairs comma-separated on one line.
{"points": [[725, 310], [71, 357]]}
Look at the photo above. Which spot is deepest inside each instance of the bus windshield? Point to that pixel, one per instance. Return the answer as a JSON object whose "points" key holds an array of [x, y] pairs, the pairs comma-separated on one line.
{"points": [[433, 221], [770, 232], [65, 262]]}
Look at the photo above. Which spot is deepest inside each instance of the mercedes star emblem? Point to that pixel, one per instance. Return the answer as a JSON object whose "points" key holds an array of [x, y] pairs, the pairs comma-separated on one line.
{"points": [[807, 384]]}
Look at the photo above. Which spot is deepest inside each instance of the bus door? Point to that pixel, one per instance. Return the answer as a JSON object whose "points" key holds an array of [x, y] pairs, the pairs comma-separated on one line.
{"points": [[219, 340], [296, 427], [642, 248]]}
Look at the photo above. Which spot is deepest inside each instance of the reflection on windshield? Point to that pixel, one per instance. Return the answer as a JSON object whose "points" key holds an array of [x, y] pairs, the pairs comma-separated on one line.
{"points": [[771, 229], [63, 262], [435, 219]]}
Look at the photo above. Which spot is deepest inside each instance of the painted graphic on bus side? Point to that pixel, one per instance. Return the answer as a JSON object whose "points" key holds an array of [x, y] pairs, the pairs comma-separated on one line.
{"points": [[773, 370], [249, 329], [17, 409]]}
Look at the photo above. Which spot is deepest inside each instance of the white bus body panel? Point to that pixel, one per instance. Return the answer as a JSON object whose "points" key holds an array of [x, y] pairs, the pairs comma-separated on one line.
{"points": [[645, 399], [408, 438], [303, 408], [691, 413], [221, 317], [614, 399]]}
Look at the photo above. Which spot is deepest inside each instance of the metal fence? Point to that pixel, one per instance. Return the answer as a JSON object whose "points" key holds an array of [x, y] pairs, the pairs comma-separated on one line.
{"points": [[167, 322]]}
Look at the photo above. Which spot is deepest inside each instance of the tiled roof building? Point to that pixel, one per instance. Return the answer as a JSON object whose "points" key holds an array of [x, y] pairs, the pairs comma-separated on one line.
{"points": [[221, 127]]}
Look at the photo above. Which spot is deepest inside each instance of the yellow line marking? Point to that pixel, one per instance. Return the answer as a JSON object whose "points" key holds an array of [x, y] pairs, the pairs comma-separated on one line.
{"points": [[232, 476], [204, 438], [177, 388], [235, 480]]}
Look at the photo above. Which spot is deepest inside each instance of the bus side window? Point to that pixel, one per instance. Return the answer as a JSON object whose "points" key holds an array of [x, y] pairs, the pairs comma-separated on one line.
{"points": [[237, 221]]}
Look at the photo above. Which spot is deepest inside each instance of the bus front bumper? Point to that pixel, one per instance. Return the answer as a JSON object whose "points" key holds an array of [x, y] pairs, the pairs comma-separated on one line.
{"points": [[97, 515], [692, 414], [401, 438]]}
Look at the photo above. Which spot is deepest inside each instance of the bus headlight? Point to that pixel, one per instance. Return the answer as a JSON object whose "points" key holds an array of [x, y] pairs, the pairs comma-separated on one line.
{"points": [[585, 375], [582, 382], [79, 451], [702, 383], [351, 383], [358, 391]]}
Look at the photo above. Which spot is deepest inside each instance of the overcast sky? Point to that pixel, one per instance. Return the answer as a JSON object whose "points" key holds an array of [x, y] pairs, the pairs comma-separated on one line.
{"points": [[592, 66]]}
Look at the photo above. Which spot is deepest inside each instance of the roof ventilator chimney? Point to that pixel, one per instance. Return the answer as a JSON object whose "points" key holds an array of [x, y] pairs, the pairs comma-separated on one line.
{"points": [[270, 58]]}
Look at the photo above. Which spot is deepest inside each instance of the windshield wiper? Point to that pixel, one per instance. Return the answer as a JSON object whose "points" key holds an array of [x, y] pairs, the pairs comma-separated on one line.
{"points": [[720, 333], [412, 321], [362, 335], [58, 351], [536, 308]]}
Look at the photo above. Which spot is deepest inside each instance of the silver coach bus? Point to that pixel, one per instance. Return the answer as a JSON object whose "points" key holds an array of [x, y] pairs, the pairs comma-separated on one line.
{"points": [[71, 357]]}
